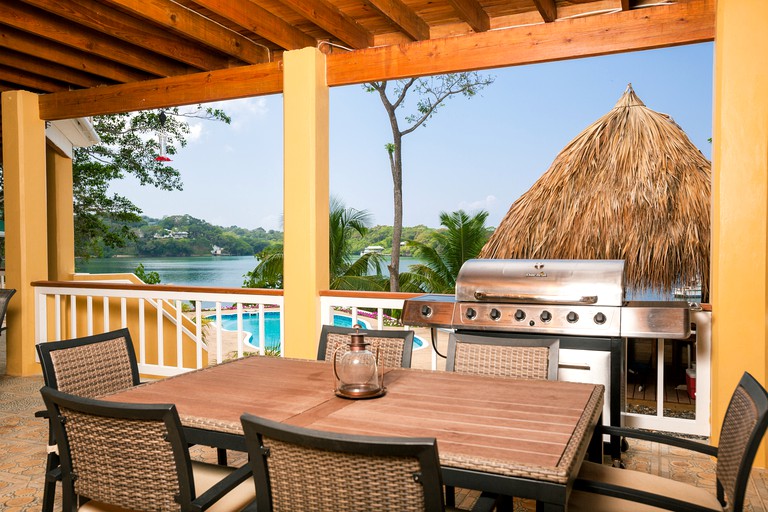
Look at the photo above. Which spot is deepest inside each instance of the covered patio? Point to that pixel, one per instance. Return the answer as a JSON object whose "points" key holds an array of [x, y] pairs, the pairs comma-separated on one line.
{"points": [[70, 60]]}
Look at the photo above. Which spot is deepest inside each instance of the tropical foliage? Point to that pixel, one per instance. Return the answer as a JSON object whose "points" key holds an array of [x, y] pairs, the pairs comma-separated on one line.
{"points": [[462, 239], [346, 271], [185, 235]]}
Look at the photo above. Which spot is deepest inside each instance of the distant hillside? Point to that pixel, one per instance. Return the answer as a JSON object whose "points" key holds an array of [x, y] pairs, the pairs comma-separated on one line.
{"points": [[184, 235]]}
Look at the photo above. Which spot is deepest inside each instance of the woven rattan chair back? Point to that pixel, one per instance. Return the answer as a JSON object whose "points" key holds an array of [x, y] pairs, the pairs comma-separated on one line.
{"points": [[394, 347], [5, 297], [521, 358], [743, 429], [298, 469], [125, 455], [90, 366]]}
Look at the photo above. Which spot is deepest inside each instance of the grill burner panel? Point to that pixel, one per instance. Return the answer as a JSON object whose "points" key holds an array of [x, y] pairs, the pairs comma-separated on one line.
{"points": [[551, 319]]}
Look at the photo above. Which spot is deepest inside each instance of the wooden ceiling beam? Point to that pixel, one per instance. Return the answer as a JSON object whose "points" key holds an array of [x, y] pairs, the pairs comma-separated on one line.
{"points": [[326, 16], [258, 20], [101, 18], [547, 9], [640, 29], [472, 12], [176, 17], [30, 81], [30, 45], [32, 20], [224, 84], [52, 70], [403, 17]]}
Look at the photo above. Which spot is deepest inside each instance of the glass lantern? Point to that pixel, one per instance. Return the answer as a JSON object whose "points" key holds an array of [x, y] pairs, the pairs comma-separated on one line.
{"points": [[357, 372]]}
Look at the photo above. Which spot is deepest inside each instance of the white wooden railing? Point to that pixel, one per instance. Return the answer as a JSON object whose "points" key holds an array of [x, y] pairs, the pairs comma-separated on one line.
{"points": [[58, 316], [138, 305]]}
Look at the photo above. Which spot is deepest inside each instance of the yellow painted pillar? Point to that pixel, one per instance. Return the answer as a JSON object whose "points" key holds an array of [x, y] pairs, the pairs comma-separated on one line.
{"points": [[740, 209], [305, 198], [61, 217], [26, 241]]}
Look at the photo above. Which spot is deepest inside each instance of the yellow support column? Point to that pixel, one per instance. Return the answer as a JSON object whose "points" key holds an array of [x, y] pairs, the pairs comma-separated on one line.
{"points": [[26, 241], [305, 215], [61, 217], [740, 208]]}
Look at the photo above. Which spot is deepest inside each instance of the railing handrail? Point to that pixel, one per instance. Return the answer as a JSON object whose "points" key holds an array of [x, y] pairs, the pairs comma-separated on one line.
{"points": [[112, 285]]}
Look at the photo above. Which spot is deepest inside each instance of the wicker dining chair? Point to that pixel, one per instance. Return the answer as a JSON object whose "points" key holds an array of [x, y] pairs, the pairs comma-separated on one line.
{"points": [[134, 456], [602, 488], [90, 366], [298, 469], [5, 297], [395, 346], [520, 358]]}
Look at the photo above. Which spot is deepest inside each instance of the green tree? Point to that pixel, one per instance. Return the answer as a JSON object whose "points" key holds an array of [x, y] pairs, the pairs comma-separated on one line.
{"points": [[129, 146], [462, 239], [148, 277], [347, 273], [432, 93]]}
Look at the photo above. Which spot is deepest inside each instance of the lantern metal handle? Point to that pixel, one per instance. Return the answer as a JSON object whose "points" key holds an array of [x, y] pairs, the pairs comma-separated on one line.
{"points": [[334, 362]]}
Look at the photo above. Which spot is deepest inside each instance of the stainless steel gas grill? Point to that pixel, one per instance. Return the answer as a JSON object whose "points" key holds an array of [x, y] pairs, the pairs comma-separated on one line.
{"points": [[580, 302]]}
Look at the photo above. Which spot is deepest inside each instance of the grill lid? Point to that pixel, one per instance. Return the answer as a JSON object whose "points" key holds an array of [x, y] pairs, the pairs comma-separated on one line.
{"points": [[565, 282]]}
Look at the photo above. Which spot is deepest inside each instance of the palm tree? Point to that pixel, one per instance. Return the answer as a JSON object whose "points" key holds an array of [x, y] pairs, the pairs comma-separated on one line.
{"points": [[347, 273], [462, 239]]}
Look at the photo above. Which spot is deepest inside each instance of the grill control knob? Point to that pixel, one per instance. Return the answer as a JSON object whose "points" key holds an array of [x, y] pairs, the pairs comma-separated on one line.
{"points": [[426, 311], [471, 313], [600, 318], [495, 314], [545, 316], [572, 317], [519, 315]]}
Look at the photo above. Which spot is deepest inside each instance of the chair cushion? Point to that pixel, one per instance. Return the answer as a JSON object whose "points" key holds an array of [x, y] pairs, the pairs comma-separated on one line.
{"points": [[591, 502], [205, 475]]}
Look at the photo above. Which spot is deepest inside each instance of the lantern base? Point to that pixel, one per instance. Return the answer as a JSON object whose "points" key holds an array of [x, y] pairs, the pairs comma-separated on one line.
{"points": [[357, 392]]}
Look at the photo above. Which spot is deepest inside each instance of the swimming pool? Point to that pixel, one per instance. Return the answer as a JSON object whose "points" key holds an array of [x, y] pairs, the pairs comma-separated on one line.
{"points": [[251, 323]]}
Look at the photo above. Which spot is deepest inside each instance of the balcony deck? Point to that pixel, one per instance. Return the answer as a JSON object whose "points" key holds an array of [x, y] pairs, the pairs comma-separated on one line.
{"points": [[23, 444]]}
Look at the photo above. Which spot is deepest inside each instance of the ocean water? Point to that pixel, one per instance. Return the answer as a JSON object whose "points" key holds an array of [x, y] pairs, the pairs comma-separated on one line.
{"points": [[214, 271]]}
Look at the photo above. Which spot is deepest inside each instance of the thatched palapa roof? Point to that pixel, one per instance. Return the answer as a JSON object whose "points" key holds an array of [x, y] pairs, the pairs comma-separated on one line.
{"points": [[631, 186]]}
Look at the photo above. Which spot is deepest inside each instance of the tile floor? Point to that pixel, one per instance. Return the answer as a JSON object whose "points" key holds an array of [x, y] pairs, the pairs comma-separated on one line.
{"points": [[23, 450]]}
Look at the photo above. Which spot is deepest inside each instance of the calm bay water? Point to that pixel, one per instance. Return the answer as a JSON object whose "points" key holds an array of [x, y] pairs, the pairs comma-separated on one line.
{"points": [[214, 271]]}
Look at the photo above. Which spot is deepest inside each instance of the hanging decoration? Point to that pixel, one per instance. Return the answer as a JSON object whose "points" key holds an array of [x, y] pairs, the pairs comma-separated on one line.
{"points": [[162, 139]]}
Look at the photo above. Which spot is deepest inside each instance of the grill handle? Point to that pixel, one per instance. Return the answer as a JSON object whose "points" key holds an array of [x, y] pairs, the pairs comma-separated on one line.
{"points": [[525, 298]]}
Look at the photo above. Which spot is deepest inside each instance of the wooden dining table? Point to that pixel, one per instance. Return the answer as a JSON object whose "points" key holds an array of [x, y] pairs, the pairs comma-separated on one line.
{"points": [[524, 438]]}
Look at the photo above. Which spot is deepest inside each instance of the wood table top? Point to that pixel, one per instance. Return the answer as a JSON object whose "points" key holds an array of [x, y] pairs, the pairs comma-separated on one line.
{"points": [[522, 428]]}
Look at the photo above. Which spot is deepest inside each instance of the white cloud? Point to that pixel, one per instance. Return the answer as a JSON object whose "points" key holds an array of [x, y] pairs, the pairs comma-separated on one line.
{"points": [[272, 221], [487, 203], [195, 131], [243, 110]]}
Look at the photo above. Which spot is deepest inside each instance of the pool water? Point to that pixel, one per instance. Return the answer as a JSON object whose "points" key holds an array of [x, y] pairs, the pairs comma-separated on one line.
{"points": [[272, 327]]}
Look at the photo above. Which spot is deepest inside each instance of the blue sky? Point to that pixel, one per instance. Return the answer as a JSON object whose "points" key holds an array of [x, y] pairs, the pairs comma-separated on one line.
{"points": [[474, 154]]}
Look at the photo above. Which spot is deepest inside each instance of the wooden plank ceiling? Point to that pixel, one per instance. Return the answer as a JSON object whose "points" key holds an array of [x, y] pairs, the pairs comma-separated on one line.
{"points": [[96, 56]]}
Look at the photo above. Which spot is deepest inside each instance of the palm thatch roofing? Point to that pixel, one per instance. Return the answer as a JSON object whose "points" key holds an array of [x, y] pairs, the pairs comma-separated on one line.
{"points": [[631, 186]]}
